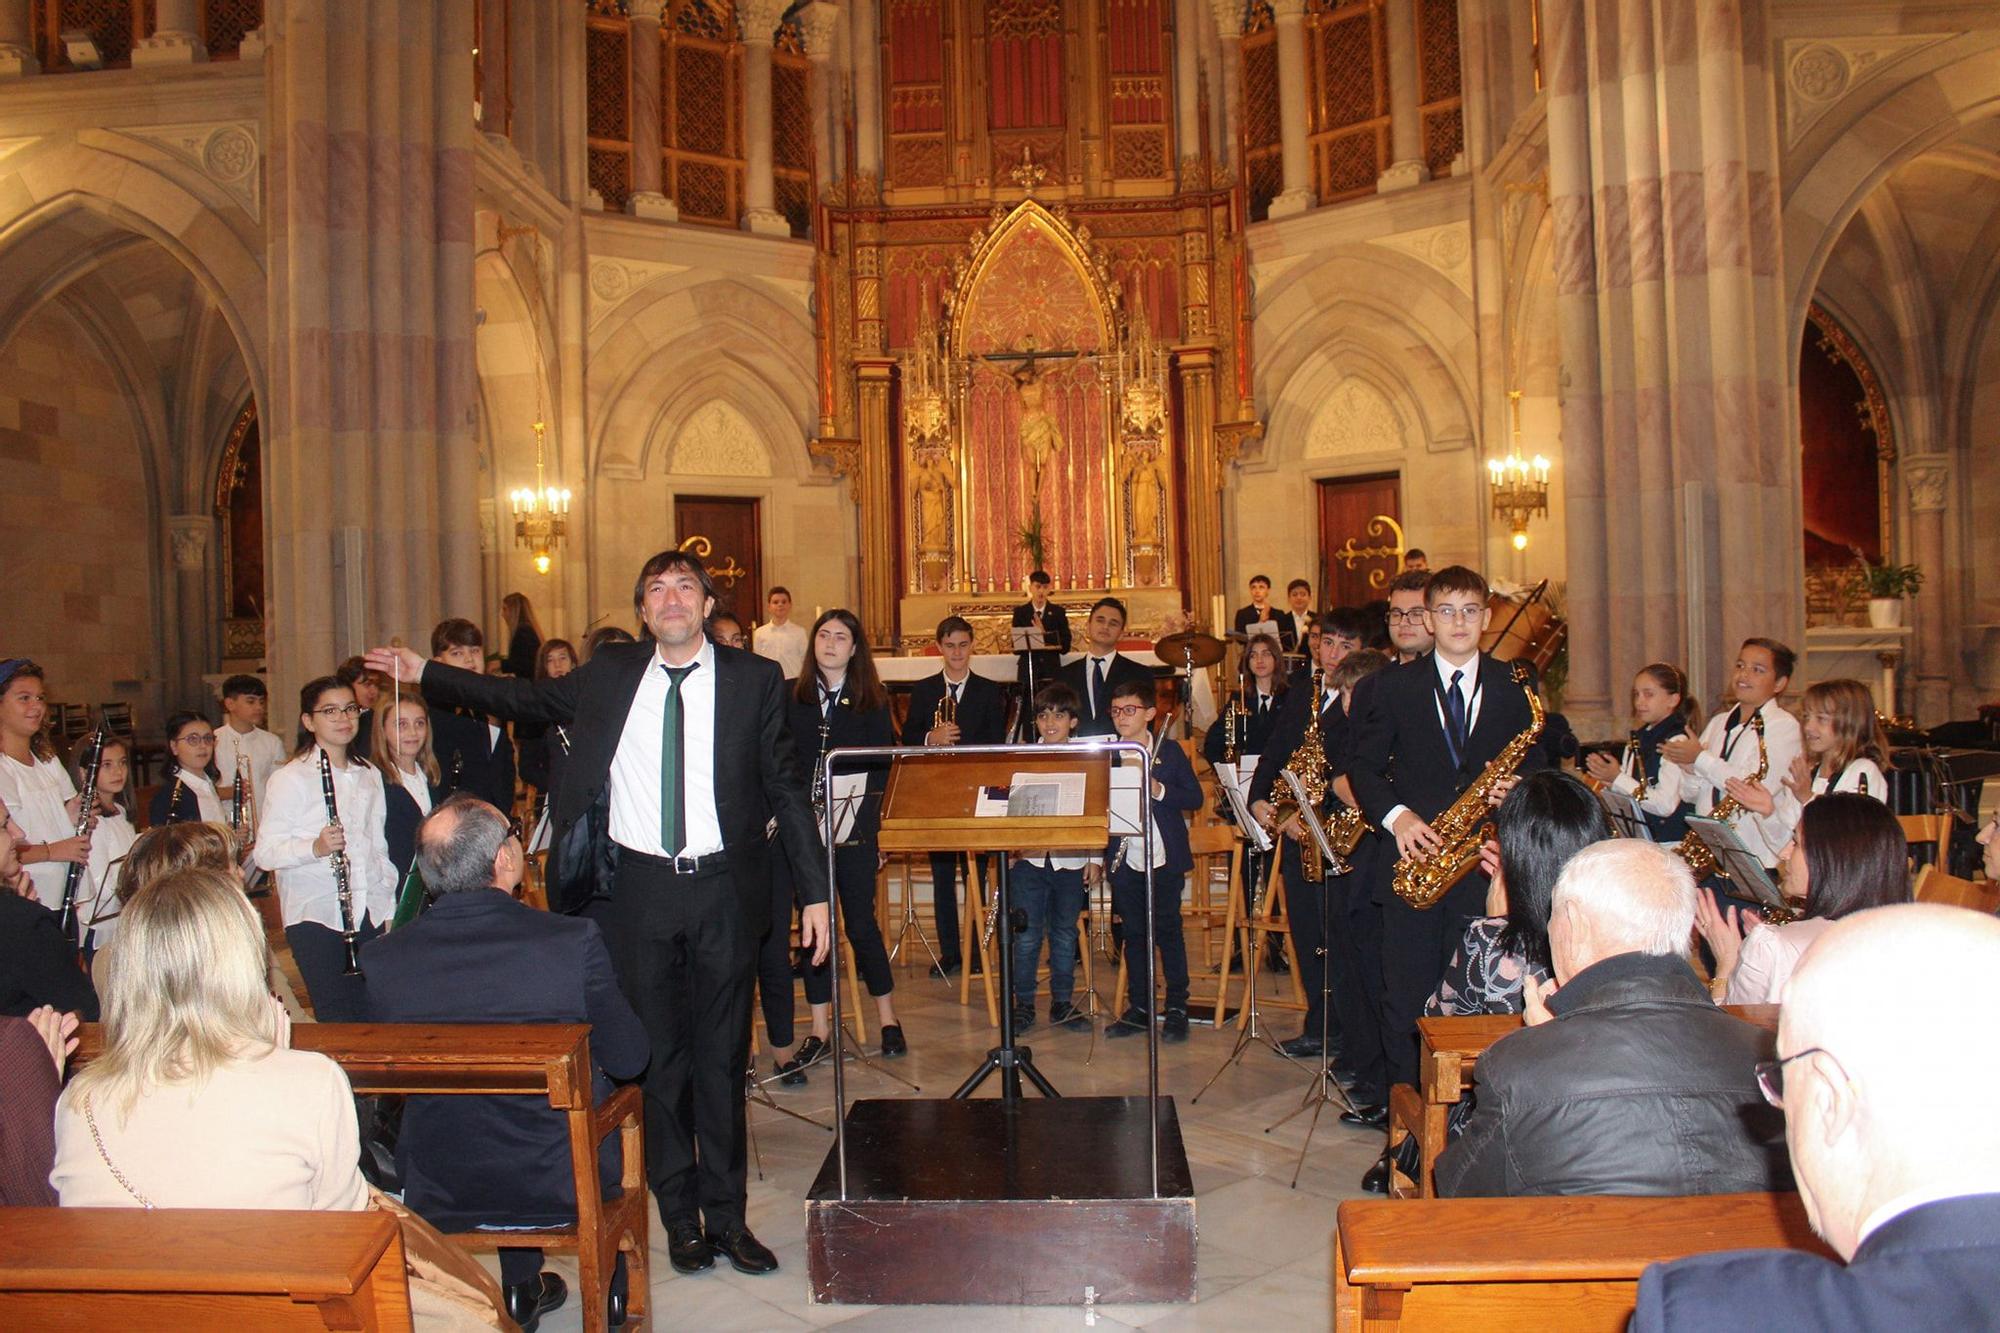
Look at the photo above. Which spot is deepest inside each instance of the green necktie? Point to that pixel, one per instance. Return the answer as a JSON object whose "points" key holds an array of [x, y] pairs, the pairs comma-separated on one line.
{"points": [[673, 744]]}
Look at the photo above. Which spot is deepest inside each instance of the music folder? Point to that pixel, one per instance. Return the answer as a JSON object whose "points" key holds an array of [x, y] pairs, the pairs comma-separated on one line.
{"points": [[1235, 788], [1738, 863], [1626, 817]]}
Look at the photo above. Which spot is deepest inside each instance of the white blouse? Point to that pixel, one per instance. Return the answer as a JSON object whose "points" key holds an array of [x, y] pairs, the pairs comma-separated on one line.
{"points": [[1783, 821], [417, 786], [36, 795], [98, 896], [293, 815]]}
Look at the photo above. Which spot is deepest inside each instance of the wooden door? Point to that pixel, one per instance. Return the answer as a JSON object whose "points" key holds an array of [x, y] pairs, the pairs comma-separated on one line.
{"points": [[735, 544], [1348, 506]]}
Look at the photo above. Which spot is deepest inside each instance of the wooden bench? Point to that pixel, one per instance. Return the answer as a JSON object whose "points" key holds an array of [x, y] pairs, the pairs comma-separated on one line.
{"points": [[509, 1059], [1534, 1264], [200, 1268], [1935, 886], [1447, 1059]]}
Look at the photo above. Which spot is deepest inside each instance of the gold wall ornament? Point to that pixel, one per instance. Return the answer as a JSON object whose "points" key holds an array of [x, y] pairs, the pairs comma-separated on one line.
{"points": [[724, 574], [1351, 555]]}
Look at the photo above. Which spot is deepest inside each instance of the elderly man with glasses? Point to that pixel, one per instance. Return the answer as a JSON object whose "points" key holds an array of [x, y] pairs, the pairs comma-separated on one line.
{"points": [[479, 955], [1889, 1101]]}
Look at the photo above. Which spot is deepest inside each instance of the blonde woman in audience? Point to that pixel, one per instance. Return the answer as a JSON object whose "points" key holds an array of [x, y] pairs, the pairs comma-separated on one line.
{"points": [[197, 1100]]}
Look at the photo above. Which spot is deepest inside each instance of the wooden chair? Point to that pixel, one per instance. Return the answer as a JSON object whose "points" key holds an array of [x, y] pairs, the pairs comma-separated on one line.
{"points": [[117, 718], [972, 945], [1935, 886], [1259, 925], [1931, 830], [201, 1268], [1216, 864], [541, 1059], [1535, 1263]]}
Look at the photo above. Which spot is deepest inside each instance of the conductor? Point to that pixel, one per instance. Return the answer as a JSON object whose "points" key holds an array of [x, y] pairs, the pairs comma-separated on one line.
{"points": [[680, 759]]}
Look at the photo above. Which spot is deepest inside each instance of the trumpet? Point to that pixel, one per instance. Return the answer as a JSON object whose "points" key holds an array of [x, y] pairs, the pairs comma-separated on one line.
{"points": [[947, 711]]}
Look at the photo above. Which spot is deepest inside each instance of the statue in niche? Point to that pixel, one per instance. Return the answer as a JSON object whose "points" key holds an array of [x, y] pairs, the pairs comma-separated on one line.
{"points": [[932, 494], [1040, 436], [1143, 477]]}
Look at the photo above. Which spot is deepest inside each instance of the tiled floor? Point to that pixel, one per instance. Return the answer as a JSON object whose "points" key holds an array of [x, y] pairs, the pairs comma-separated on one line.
{"points": [[1264, 1258]]}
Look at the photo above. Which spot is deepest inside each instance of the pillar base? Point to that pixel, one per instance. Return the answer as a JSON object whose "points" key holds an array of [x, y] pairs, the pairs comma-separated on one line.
{"points": [[1291, 203], [169, 48], [652, 206], [253, 45], [17, 61], [1402, 176], [766, 222]]}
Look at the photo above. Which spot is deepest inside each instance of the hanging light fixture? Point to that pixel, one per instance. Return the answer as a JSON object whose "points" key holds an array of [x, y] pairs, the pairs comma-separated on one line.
{"points": [[1520, 486], [541, 515]]}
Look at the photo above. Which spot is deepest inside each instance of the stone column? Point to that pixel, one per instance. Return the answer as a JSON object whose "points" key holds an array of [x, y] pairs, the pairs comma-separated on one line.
{"points": [[867, 56], [648, 199], [819, 20], [372, 467], [1201, 487], [1406, 123], [1927, 478], [760, 214], [192, 537], [176, 38], [1187, 94], [879, 605], [1229, 73], [17, 40], [1293, 117]]}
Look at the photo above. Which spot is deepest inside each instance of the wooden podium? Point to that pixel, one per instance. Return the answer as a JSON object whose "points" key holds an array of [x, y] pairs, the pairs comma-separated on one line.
{"points": [[1008, 1200]]}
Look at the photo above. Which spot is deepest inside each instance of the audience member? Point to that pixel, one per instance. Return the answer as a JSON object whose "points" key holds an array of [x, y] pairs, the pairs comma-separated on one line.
{"points": [[1888, 1100], [1849, 854], [197, 1100], [480, 956], [33, 1051], [1626, 1080], [37, 965]]}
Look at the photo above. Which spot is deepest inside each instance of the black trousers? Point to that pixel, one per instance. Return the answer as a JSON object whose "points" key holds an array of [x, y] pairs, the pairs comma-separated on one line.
{"points": [[1354, 939], [1305, 914], [322, 958], [854, 875], [774, 960], [685, 961], [1416, 948], [945, 868]]}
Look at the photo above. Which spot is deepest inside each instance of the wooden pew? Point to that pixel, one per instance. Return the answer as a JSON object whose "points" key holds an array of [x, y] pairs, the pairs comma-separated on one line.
{"points": [[200, 1268], [1533, 1264], [1447, 1060], [532, 1059]]}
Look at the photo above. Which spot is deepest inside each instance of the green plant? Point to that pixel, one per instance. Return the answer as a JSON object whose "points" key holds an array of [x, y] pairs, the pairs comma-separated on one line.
{"points": [[1033, 539], [1888, 580]]}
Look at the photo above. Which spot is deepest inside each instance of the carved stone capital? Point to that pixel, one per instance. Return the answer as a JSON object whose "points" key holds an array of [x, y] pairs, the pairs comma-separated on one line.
{"points": [[1926, 482], [190, 535], [1229, 16], [646, 11], [760, 19], [817, 22]]}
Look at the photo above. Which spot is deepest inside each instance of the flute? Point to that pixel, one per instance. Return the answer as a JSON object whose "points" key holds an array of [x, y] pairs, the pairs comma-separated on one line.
{"points": [[343, 891]]}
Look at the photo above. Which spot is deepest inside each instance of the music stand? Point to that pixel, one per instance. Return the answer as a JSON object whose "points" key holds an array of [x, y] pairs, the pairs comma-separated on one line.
{"points": [[1259, 845], [1028, 640], [1739, 865], [845, 793], [1627, 820]]}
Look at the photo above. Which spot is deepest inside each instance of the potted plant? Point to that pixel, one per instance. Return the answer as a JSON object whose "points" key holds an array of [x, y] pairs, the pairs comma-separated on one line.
{"points": [[1887, 586]]}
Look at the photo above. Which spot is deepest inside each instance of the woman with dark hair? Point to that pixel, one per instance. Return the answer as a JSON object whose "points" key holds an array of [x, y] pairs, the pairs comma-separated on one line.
{"points": [[1548, 818], [34, 784], [555, 659], [189, 793], [839, 700], [1849, 854], [1256, 711], [109, 841]]}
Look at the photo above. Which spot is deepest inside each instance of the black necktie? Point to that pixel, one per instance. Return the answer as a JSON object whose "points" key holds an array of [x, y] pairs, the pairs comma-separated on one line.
{"points": [[673, 745], [1099, 705], [1454, 705]]}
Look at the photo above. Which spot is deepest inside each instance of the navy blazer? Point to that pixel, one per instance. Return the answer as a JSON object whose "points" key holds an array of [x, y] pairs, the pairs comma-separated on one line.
{"points": [[845, 725], [1930, 1268], [464, 746], [1255, 729], [1055, 632], [1097, 721], [1289, 732], [482, 957], [1172, 771], [400, 819], [185, 806]]}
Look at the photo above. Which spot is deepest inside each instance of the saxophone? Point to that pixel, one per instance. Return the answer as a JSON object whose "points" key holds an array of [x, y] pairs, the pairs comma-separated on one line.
{"points": [[1464, 825], [1309, 763], [1692, 849]]}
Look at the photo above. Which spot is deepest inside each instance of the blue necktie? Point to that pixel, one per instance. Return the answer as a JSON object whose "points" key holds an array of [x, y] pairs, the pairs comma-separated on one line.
{"points": [[1454, 711]]}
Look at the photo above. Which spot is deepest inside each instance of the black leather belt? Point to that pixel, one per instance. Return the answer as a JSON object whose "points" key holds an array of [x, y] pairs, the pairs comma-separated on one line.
{"points": [[681, 865]]}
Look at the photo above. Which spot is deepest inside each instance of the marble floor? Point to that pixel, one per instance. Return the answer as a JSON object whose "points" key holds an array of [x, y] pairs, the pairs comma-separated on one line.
{"points": [[1265, 1248]]}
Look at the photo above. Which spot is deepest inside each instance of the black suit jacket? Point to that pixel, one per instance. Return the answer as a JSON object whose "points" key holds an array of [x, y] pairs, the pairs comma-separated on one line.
{"points": [[481, 957], [464, 746], [1399, 754], [37, 965], [1055, 630], [1931, 1268], [1255, 729], [1289, 731], [400, 819], [756, 777], [982, 710], [845, 725], [1097, 721]]}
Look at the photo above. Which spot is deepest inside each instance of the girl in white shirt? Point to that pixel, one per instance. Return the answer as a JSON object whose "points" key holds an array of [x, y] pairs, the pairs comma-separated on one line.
{"points": [[34, 784], [189, 791], [297, 839], [1663, 708], [97, 904], [1844, 751]]}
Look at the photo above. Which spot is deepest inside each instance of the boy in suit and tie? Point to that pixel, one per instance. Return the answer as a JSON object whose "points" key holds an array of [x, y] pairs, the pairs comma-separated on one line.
{"points": [[1260, 608], [1040, 667], [1097, 674], [979, 717], [1296, 622], [1429, 730]]}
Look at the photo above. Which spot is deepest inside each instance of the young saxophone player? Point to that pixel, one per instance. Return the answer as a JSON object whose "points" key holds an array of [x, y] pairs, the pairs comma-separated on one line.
{"points": [[1756, 735], [298, 840], [1429, 730]]}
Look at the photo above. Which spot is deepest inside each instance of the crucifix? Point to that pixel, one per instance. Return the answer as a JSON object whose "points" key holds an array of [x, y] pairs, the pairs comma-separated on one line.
{"points": [[1040, 435]]}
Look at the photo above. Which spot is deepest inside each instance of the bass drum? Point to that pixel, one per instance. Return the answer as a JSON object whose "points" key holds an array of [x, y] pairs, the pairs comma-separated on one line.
{"points": [[1524, 628]]}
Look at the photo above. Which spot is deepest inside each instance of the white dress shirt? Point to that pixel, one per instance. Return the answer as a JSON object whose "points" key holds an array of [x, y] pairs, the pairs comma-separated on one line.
{"points": [[35, 795], [1663, 797], [636, 798], [784, 644], [1090, 668], [205, 798], [1469, 691], [417, 785], [261, 751], [294, 813], [1711, 770], [1783, 821]]}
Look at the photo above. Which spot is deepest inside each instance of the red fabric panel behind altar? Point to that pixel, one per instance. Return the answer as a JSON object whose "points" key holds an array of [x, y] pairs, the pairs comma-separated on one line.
{"points": [[1132, 30], [916, 56], [1840, 473], [1024, 53]]}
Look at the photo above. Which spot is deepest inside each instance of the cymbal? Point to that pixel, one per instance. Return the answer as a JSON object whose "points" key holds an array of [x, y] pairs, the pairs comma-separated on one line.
{"points": [[1178, 649], [1236, 636]]}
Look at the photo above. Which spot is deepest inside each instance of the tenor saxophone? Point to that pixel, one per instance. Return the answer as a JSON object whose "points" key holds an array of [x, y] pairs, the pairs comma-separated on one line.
{"points": [[1464, 825], [1692, 849]]}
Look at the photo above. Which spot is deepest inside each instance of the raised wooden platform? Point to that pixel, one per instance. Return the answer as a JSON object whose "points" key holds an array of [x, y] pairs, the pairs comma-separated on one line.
{"points": [[1047, 1202]]}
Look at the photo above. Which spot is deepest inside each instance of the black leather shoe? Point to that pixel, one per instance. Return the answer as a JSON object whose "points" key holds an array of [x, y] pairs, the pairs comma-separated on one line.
{"points": [[1302, 1047], [528, 1301], [745, 1252], [810, 1052], [687, 1249], [1024, 1018], [1175, 1028], [1131, 1023], [1377, 1179], [791, 1073], [1366, 1115], [892, 1040], [947, 969]]}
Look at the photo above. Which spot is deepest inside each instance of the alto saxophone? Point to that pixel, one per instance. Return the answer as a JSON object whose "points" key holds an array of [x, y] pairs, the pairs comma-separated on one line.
{"points": [[1309, 763], [1692, 849], [1464, 825]]}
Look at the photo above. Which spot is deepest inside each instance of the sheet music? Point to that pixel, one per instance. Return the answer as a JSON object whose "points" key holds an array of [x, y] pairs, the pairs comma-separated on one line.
{"points": [[1029, 638], [844, 797], [1236, 789], [538, 841], [1127, 810], [1336, 864], [1736, 861], [1626, 818], [1267, 629]]}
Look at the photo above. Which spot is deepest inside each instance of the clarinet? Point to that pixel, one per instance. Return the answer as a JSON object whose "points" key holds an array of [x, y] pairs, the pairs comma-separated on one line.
{"points": [[86, 808], [342, 890]]}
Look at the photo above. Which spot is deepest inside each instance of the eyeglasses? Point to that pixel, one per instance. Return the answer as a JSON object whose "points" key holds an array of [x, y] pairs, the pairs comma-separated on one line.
{"points": [[332, 711], [196, 738], [1415, 617], [1127, 710], [1454, 614], [1771, 1074]]}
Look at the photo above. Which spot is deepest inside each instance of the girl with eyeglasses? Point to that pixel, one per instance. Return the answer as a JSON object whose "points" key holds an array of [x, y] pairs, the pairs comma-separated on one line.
{"points": [[296, 842], [189, 792]]}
